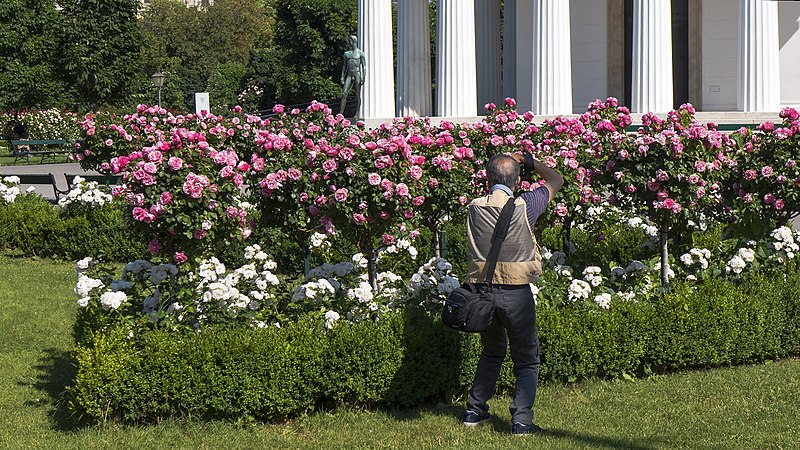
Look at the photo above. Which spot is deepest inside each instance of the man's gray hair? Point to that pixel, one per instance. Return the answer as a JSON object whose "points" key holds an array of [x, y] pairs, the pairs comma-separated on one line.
{"points": [[502, 169]]}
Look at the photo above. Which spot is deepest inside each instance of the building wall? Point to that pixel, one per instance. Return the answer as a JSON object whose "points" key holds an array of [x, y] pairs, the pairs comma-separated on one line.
{"points": [[789, 38], [720, 53], [588, 34]]}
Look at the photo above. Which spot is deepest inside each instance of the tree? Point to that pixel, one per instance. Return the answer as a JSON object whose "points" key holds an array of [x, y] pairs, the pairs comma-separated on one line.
{"points": [[170, 33], [100, 56], [310, 37], [28, 45], [192, 43]]}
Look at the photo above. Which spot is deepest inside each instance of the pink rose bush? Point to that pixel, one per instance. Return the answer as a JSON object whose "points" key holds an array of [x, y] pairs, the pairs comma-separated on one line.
{"points": [[764, 187], [184, 181], [196, 184]]}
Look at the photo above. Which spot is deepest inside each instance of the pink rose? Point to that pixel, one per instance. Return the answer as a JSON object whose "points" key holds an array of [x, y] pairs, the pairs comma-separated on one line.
{"points": [[778, 205], [200, 234], [418, 201], [750, 175], [359, 219], [433, 183], [415, 172], [340, 195], [329, 165], [661, 175], [175, 163], [561, 210], [402, 189], [374, 179], [694, 178], [769, 198], [180, 257], [766, 171], [109, 142], [387, 239], [462, 199], [408, 214], [699, 192]]}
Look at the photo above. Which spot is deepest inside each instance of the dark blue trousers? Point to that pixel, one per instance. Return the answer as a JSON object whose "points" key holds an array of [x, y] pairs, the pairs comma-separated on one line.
{"points": [[515, 326]]}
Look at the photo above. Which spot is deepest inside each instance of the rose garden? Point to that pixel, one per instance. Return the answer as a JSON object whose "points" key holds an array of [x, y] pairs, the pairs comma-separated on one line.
{"points": [[272, 267]]}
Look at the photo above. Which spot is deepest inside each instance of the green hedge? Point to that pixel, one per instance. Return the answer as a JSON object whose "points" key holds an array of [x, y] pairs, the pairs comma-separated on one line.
{"points": [[33, 226], [410, 358]]}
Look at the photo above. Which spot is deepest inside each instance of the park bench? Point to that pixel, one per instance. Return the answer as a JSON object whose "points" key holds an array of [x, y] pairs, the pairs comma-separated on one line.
{"points": [[44, 150], [37, 180], [102, 180]]}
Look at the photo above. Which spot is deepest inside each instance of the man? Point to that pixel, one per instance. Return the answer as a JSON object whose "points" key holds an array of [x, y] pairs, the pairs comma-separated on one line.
{"points": [[518, 265], [354, 70]]}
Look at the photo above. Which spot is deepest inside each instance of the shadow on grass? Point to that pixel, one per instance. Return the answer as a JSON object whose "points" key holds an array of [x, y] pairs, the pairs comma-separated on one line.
{"points": [[501, 426], [55, 370]]}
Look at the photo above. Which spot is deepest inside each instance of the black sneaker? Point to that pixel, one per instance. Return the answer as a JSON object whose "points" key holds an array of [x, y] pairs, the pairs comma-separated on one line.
{"points": [[521, 429], [473, 419]]}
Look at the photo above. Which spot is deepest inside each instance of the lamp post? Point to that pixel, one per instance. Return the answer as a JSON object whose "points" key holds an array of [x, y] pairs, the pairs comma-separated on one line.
{"points": [[158, 81]]}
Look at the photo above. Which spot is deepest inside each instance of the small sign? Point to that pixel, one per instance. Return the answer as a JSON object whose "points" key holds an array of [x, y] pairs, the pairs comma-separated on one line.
{"points": [[202, 104]]}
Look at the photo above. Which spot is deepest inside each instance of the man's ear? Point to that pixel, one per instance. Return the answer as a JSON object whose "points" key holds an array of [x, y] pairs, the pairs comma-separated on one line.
{"points": [[519, 182]]}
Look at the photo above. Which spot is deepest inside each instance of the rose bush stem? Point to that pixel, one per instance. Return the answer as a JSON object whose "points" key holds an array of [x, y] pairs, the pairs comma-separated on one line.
{"points": [[664, 237]]}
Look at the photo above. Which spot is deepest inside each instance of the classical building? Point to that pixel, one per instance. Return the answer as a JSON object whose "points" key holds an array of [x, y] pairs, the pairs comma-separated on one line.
{"points": [[555, 56]]}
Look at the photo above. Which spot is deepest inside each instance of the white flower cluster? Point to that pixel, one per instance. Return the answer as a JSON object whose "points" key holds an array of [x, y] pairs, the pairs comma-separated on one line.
{"points": [[402, 244], [592, 276], [784, 244], [603, 300], [9, 188], [85, 284], [578, 290], [696, 257], [320, 241], [340, 287], [637, 222], [85, 193], [244, 288], [432, 282]]}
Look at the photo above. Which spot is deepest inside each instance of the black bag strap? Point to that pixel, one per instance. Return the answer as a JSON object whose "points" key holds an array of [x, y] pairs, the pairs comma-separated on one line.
{"points": [[499, 235]]}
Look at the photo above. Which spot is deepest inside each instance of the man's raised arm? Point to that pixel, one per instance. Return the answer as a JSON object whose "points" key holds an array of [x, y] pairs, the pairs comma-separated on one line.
{"points": [[553, 180]]}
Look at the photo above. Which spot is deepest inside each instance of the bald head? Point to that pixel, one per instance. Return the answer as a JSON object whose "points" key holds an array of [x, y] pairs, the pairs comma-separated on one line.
{"points": [[502, 169]]}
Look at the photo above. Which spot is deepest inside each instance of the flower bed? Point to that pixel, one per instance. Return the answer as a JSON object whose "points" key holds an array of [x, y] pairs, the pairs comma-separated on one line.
{"points": [[366, 204]]}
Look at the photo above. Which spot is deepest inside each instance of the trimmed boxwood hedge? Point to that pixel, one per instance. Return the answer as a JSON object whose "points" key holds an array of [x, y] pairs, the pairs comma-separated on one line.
{"points": [[34, 227], [410, 358]]}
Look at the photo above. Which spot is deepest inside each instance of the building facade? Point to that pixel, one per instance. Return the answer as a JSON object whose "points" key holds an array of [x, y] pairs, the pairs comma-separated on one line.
{"points": [[556, 56]]}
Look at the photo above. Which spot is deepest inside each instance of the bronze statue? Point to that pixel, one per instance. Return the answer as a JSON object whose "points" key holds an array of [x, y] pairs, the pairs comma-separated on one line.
{"points": [[354, 70]]}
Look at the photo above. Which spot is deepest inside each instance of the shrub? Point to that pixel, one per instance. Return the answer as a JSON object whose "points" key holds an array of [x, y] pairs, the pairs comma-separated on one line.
{"points": [[409, 358], [35, 227]]}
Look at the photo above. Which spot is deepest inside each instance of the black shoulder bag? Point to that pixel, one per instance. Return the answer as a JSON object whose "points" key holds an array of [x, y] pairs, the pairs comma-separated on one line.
{"points": [[468, 308]]}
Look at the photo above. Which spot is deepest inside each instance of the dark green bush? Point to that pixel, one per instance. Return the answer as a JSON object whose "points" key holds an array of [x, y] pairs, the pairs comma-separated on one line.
{"points": [[410, 358], [35, 227]]}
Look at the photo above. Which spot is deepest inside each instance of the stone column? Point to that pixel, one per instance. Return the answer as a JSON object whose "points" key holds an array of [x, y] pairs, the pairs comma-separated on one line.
{"points": [[487, 52], [552, 58], [375, 39], [510, 48], [413, 59], [456, 85], [759, 65], [651, 80]]}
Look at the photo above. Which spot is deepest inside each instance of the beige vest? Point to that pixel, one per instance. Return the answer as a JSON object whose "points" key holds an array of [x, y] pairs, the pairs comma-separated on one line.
{"points": [[520, 261]]}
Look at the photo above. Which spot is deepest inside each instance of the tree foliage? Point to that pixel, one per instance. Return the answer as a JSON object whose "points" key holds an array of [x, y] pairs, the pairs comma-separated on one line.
{"points": [[28, 43], [310, 37], [101, 56]]}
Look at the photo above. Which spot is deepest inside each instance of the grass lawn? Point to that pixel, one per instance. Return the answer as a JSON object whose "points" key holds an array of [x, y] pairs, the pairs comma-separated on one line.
{"points": [[743, 407]]}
